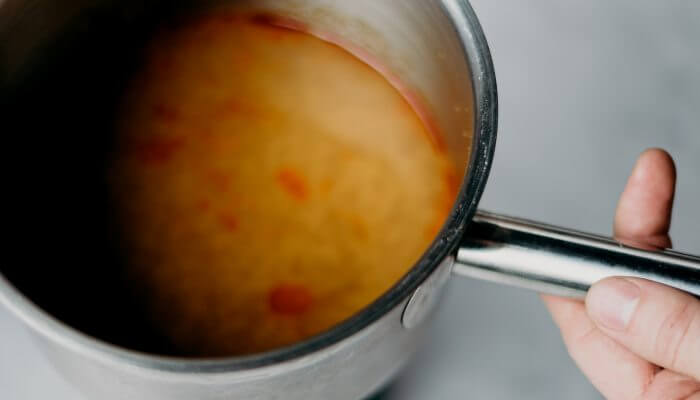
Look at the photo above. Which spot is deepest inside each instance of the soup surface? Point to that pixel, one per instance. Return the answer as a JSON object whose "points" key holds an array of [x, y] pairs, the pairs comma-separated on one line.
{"points": [[268, 184]]}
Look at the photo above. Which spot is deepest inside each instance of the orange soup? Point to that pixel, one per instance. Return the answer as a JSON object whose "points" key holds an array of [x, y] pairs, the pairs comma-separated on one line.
{"points": [[269, 185]]}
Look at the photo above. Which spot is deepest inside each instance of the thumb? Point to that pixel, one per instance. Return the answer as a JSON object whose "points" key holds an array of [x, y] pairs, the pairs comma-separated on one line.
{"points": [[659, 323]]}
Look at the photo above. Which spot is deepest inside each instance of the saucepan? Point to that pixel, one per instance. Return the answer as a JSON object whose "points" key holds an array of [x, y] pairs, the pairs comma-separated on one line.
{"points": [[436, 48]]}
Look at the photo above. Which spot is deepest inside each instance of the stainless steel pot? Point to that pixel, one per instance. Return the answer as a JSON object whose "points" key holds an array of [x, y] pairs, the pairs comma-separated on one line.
{"points": [[437, 49]]}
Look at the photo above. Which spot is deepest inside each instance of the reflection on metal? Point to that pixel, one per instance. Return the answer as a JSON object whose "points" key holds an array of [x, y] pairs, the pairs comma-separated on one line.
{"points": [[562, 261], [423, 299]]}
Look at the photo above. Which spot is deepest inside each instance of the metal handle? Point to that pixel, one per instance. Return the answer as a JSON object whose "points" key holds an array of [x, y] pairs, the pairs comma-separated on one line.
{"points": [[560, 261]]}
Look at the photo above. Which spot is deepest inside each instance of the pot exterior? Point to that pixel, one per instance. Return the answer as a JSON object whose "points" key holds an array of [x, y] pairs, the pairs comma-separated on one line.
{"points": [[434, 47]]}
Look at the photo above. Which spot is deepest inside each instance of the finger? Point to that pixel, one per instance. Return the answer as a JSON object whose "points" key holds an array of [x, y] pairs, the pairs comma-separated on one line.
{"points": [[644, 210], [657, 322], [643, 215], [671, 385], [614, 370]]}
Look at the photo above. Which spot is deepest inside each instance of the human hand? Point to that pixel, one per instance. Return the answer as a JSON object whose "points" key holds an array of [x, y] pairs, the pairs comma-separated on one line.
{"points": [[632, 338]]}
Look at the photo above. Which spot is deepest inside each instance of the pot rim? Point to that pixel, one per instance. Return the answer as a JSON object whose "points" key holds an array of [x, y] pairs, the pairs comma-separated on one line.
{"points": [[484, 96]]}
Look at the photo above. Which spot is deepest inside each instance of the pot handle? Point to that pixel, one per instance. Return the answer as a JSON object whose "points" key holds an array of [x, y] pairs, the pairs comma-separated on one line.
{"points": [[560, 261]]}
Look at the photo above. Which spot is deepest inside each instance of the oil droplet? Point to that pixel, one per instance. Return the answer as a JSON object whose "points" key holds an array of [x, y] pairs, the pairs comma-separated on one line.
{"points": [[293, 183], [290, 299]]}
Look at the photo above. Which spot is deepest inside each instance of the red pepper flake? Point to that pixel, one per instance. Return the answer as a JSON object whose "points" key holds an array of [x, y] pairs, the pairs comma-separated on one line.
{"points": [[219, 179], [451, 183], [203, 205], [432, 230], [293, 183], [166, 113], [229, 222], [158, 151], [290, 299]]}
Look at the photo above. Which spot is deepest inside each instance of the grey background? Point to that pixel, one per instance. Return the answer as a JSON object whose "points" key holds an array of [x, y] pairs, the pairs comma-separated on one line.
{"points": [[584, 87]]}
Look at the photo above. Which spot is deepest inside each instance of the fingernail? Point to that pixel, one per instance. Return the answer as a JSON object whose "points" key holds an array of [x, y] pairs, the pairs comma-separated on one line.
{"points": [[611, 302]]}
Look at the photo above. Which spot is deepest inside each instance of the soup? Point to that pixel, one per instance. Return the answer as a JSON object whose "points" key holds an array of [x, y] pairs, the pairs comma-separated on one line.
{"points": [[268, 185]]}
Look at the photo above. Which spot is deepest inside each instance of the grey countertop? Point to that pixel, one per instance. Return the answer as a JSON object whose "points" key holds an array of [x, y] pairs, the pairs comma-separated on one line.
{"points": [[584, 87]]}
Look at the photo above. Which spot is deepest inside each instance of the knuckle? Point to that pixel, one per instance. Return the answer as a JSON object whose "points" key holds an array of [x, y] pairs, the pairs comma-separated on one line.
{"points": [[674, 333], [668, 385]]}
